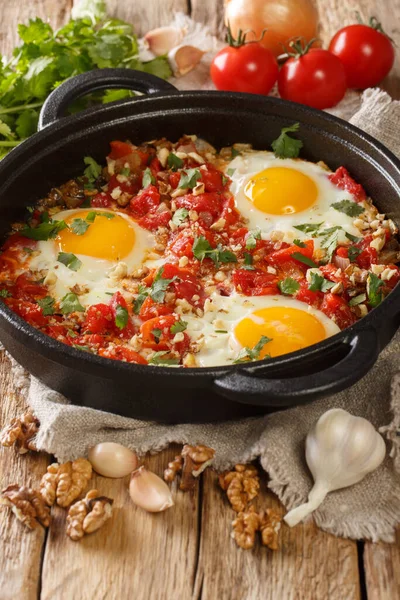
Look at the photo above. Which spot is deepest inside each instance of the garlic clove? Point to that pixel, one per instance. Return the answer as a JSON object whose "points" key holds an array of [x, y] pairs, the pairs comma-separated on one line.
{"points": [[161, 40], [341, 450], [112, 460], [184, 59], [149, 491]]}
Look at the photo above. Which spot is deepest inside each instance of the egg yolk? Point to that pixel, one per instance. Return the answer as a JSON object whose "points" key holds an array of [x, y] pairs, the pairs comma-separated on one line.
{"points": [[109, 238], [290, 329], [281, 191]]}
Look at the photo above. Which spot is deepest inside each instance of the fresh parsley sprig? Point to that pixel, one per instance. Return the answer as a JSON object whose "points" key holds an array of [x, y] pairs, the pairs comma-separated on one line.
{"points": [[44, 231], [202, 249], [286, 146], [250, 354]]}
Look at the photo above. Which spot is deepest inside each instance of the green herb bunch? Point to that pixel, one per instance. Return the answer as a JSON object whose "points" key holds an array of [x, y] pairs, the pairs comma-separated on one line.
{"points": [[46, 58]]}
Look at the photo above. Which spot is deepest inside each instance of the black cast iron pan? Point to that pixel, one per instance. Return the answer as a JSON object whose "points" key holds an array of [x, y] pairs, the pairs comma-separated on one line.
{"points": [[175, 395]]}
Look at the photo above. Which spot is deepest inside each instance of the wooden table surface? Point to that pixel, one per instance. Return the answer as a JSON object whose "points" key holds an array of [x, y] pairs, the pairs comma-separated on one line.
{"points": [[185, 552]]}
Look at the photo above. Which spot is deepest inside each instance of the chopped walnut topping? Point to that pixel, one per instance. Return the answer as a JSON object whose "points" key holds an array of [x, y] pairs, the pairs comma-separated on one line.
{"points": [[179, 192], [378, 243], [183, 261], [218, 225], [277, 236], [174, 467], [162, 156], [50, 279], [199, 159], [65, 482], [119, 271], [21, 433], [198, 189], [88, 515], [241, 485], [27, 505], [245, 527], [270, 524], [195, 460]]}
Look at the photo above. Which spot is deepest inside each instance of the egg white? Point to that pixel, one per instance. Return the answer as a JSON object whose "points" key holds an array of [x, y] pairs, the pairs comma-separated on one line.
{"points": [[249, 164], [94, 273], [218, 348]]}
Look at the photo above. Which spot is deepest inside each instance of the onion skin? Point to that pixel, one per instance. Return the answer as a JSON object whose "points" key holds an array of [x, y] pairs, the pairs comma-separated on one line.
{"points": [[283, 19]]}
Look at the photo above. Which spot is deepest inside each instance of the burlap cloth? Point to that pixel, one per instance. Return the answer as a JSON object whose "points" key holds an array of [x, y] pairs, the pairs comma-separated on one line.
{"points": [[370, 509]]}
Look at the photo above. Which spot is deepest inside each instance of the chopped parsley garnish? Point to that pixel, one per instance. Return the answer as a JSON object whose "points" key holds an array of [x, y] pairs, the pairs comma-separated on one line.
{"points": [[288, 286], [248, 354], [121, 317], [189, 178], [304, 259], [179, 216], [202, 249], [159, 287], [318, 283], [234, 152], [374, 284], [44, 231], [148, 178], [330, 243], [299, 243], [286, 146], [90, 217], [224, 180], [157, 333], [143, 293], [44, 217], [69, 260], [174, 162], [125, 172], [70, 303], [93, 169], [47, 305], [4, 293], [353, 252], [83, 348], [248, 259], [251, 239], [353, 238], [79, 226], [178, 326], [349, 208], [329, 230], [221, 331], [358, 300], [159, 358], [230, 172], [308, 227], [27, 250]]}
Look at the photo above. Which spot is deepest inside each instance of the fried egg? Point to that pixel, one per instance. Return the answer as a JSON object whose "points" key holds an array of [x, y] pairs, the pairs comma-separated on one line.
{"points": [[238, 322], [279, 194], [111, 238]]}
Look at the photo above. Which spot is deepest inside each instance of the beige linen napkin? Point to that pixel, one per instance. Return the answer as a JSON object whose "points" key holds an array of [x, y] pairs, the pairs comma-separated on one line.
{"points": [[370, 509]]}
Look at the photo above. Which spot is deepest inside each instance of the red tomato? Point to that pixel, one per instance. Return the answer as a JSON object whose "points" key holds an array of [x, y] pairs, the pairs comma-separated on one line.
{"points": [[390, 283], [336, 308], [156, 333], [131, 186], [99, 319], [151, 309], [283, 256], [185, 285], [128, 329], [342, 179], [308, 296], [208, 202], [32, 313], [212, 179], [155, 220], [122, 353], [147, 200], [254, 282], [27, 288], [120, 149], [316, 78], [244, 67], [229, 212], [101, 200], [60, 333], [366, 53]]}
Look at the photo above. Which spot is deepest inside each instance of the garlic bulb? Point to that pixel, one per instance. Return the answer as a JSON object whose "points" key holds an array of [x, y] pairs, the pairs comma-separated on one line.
{"points": [[184, 59], [149, 491], [112, 460], [340, 450]]}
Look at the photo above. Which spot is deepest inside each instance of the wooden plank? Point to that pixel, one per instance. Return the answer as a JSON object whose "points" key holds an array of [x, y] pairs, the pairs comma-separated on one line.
{"points": [[335, 14], [211, 13], [135, 554], [12, 13], [382, 570], [147, 14], [20, 549], [309, 563]]}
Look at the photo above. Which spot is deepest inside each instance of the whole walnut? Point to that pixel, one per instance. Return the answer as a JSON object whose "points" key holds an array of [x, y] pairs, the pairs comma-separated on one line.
{"points": [[88, 515], [27, 505], [241, 485], [65, 482], [21, 432]]}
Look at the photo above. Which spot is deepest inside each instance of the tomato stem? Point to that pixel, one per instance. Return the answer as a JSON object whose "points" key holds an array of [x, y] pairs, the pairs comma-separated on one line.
{"points": [[299, 46], [241, 38], [375, 24]]}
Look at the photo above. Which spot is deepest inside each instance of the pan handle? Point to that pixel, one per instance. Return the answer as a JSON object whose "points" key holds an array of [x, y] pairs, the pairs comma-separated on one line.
{"points": [[247, 388], [99, 79]]}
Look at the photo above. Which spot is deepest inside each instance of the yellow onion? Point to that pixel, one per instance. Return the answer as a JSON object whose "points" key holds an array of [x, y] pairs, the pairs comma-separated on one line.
{"points": [[282, 20]]}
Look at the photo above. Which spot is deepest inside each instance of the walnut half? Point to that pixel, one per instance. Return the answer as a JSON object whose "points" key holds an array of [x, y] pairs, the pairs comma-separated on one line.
{"points": [[195, 460], [66, 482], [247, 523], [27, 505], [241, 486], [88, 515], [21, 433]]}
